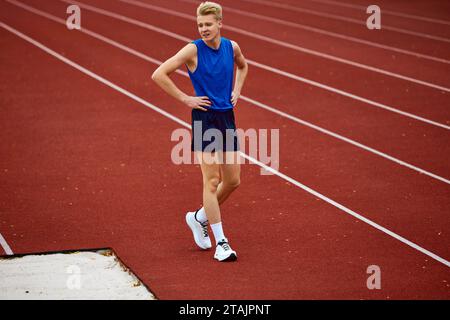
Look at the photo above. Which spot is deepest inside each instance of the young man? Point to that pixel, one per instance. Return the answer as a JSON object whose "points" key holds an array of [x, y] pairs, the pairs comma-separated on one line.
{"points": [[210, 63]]}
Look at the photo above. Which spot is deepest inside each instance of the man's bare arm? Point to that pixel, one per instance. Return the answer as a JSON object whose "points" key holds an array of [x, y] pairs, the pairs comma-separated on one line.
{"points": [[241, 73], [162, 77]]}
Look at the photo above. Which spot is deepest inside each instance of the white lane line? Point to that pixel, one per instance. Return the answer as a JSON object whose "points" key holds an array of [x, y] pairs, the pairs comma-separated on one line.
{"points": [[345, 139], [349, 95], [351, 20], [384, 11], [249, 100], [5, 246], [293, 46], [328, 33], [268, 68], [262, 165]]}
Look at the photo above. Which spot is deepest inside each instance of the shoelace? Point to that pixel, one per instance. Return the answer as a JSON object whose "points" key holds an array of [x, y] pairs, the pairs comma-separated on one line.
{"points": [[204, 228], [225, 246]]}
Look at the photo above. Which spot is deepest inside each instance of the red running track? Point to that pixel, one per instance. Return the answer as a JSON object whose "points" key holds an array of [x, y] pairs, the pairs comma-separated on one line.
{"points": [[85, 166]]}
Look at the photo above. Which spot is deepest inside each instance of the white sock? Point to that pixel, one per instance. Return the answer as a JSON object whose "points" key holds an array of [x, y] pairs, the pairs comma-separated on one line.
{"points": [[201, 215], [218, 231]]}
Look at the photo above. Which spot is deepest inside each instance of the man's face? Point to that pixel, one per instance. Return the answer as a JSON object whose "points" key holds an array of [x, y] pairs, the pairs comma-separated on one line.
{"points": [[208, 27]]}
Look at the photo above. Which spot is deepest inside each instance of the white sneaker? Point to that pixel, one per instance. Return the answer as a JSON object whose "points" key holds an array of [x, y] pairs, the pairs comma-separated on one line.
{"points": [[199, 230], [224, 251]]}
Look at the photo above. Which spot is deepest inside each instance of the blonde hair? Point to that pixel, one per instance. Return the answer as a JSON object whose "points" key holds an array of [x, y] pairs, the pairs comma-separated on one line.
{"points": [[208, 7]]}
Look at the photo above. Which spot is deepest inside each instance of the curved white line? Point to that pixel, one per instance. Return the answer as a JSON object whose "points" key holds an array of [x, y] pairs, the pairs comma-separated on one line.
{"points": [[5, 246]]}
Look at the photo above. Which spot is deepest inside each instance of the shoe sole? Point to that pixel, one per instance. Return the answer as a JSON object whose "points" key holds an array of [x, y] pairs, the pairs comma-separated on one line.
{"points": [[195, 235], [230, 258]]}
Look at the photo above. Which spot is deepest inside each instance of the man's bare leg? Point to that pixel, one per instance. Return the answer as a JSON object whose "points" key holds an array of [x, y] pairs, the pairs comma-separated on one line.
{"points": [[213, 171], [230, 173], [210, 167], [229, 177]]}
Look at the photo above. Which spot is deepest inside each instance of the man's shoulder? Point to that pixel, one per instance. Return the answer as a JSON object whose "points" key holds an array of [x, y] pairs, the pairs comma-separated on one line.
{"points": [[234, 43], [194, 45], [235, 46], [191, 45], [188, 51]]}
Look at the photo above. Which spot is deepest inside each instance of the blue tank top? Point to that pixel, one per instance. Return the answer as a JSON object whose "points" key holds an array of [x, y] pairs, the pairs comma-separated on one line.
{"points": [[214, 74]]}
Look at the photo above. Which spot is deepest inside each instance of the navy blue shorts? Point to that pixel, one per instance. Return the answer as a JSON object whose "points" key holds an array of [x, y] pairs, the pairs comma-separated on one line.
{"points": [[213, 131]]}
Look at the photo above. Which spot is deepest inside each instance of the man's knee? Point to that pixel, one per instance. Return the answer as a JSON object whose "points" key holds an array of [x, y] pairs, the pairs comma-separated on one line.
{"points": [[232, 183], [212, 183]]}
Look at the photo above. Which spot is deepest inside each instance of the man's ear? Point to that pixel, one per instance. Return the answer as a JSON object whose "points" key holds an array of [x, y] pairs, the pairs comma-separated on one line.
{"points": [[220, 23]]}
